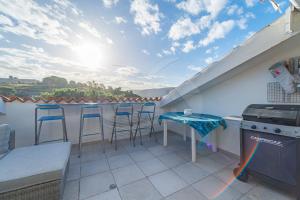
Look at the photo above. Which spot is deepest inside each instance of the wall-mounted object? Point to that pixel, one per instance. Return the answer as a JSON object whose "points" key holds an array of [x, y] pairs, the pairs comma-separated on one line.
{"points": [[281, 72]]}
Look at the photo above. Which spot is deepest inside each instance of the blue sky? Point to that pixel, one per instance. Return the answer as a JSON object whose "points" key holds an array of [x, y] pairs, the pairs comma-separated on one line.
{"points": [[134, 44]]}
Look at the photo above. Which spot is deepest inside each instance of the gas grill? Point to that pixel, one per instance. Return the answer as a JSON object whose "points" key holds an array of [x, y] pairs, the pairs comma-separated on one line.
{"points": [[270, 145]]}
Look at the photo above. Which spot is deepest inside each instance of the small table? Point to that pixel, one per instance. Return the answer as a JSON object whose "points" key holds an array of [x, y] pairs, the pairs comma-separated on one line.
{"points": [[202, 123]]}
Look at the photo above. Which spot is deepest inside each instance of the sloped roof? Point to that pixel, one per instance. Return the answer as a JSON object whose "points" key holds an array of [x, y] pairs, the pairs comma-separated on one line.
{"points": [[268, 38]]}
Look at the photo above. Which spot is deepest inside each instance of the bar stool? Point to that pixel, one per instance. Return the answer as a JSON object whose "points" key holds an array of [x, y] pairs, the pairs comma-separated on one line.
{"points": [[122, 110], [41, 119], [147, 109], [85, 114]]}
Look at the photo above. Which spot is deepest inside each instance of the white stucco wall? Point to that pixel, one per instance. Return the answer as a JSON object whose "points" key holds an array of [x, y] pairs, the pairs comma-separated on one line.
{"points": [[232, 96], [20, 116]]}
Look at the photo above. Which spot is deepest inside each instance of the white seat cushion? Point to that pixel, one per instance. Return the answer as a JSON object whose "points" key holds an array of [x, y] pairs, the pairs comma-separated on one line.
{"points": [[32, 165]]}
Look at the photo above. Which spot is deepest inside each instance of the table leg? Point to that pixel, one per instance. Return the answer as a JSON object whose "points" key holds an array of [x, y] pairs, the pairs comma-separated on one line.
{"points": [[193, 138], [185, 132], [165, 133], [214, 141]]}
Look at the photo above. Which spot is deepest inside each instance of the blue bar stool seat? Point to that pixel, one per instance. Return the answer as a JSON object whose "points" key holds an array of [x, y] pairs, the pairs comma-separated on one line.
{"points": [[94, 111], [50, 118], [148, 110], [45, 118], [122, 110]]}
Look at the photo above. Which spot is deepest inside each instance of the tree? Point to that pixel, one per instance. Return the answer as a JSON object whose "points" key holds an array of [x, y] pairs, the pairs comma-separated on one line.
{"points": [[55, 82], [7, 91]]}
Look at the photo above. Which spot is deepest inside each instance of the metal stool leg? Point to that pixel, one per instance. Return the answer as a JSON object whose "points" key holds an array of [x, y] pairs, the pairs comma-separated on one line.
{"points": [[137, 127], [130, 131], [64, 130], [35, 127], [80, 135], [115, 138], [113, 131], [64, 125], [39, 132], [102, 132]]}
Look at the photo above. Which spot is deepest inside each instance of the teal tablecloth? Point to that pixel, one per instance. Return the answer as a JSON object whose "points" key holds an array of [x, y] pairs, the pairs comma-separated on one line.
{"points": [[203, 123]]}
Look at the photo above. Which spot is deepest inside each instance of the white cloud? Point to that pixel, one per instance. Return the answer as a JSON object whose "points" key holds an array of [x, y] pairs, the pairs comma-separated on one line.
{"points": [[209, 60], [184, 27], [194, 7], [120, 20], [127, 71], [242, 23], [159, 55], [188, 46], [90, 29], [109, 3], [5, 21], [144, 51], [218, 31], [146, 15], [214, 6], [234, 9], [46, 23], [191, 6], [212, 49], [250, 3], [166, 52], [195, 68], [109, 41]]}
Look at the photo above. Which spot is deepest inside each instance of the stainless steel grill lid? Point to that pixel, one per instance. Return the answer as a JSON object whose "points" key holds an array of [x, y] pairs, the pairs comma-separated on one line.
{"points": [[288, 115]]}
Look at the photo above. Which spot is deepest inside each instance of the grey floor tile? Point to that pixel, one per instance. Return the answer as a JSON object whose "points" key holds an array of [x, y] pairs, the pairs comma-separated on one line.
{"points": [[74, 172], [264, 192], [186, 155], [95, 184], [213, 188], [209, 164], [71, 191], [222, 158], [190, 172], [137, 147], [160, 150], [91, 156], [139, 190], [152, 166], [109, 195], [143, 155], [171, 160], [111, 151], [127, 175], [74, 159], [94, 167], [226, 175], [167, 182], [188, 193], [119, 161]]}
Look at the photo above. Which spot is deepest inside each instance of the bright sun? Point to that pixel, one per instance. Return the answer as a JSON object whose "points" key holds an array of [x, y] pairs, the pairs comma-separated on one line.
{"points": [[89, 55]]}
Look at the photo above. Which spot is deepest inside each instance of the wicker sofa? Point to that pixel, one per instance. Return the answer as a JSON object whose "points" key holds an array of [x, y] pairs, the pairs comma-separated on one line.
{"points": [[34, 172]]}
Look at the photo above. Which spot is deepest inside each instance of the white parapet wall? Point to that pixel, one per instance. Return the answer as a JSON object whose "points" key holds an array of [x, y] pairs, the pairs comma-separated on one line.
{"points": [[20, 116]]}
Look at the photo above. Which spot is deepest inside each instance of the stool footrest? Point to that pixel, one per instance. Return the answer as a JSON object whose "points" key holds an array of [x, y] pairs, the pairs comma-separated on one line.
{"points": [[89, 134]]}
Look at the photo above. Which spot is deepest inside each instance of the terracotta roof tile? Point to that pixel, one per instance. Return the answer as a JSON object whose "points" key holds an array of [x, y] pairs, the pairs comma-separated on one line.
{"points": [[77, 100]]}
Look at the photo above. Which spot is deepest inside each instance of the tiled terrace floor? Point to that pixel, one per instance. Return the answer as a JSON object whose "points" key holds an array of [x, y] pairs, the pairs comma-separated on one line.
{"points": [[152, 172]]}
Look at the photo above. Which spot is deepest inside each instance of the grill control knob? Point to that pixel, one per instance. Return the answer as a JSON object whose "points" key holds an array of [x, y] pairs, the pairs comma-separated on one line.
{"points": [[277, 130], [253, 126]]}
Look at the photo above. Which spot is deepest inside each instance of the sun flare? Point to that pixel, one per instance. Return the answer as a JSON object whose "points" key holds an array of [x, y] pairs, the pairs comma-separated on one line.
{"points": [[88, 54]]}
